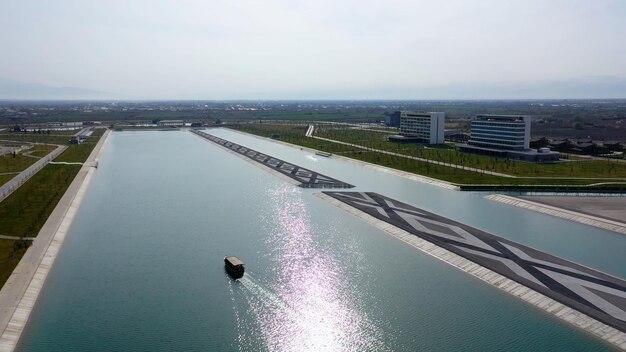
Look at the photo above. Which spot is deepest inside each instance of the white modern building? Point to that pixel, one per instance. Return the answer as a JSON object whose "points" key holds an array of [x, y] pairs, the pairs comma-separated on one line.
{"points": [[171, 123], [425, 126], [505, 136], [510, 132]]}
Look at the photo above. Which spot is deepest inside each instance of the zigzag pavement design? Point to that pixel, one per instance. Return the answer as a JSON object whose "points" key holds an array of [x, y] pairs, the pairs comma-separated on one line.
{"points": [[306, 177], [599, 295]]}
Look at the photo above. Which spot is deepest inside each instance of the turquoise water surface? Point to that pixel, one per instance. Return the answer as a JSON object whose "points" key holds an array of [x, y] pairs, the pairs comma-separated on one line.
{"points": [[142, 266]]}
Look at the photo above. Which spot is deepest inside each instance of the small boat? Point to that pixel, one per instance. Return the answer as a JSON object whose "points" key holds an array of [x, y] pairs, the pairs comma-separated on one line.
{"points": [[234, 266], [326, 154]]}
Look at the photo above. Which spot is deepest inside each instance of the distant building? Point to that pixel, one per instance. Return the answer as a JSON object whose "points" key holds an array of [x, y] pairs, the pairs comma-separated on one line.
{"points": [[456, 136], [501, 132], [505, 136], [585, 146], [426, 127], [393, 120], [174, 123]]}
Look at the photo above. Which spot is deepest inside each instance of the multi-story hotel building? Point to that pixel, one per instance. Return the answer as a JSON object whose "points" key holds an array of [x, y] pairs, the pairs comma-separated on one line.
{"points": [[425, 126], [510, 132], [505, 136]]}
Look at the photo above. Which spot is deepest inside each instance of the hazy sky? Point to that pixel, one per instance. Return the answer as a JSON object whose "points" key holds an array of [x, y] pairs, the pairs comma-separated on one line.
{"points": [[233, 49]]}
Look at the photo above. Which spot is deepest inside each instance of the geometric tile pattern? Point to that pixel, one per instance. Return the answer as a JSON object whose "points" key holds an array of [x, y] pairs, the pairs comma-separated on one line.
{"points": [[306, 177], [599, 295]]}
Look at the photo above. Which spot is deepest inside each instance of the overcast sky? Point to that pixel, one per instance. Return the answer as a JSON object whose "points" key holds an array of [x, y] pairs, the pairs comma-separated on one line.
{"points": [[231, 49]]}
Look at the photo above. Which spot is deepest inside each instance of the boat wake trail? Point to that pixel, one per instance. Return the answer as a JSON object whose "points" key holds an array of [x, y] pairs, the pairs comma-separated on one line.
{"points": [[266, 297], [308, 324], [263, 309]]}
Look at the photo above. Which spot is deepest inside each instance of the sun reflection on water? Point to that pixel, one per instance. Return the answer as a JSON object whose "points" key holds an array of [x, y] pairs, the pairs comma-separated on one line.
{"points": [[310, 306]]}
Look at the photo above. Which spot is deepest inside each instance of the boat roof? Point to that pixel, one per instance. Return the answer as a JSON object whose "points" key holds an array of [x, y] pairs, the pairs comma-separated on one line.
{"points": [[233, 260]]}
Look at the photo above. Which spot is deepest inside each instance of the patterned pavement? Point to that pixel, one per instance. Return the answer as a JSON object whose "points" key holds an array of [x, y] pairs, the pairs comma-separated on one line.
{"points": [[306, 177], [601, 296]]}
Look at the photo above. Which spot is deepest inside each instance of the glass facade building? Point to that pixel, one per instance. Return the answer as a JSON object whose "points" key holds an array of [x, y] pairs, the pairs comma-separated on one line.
{"points": [[511, 132]]}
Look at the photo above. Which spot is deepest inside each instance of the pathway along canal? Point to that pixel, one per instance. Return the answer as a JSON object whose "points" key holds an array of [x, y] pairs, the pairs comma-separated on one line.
{"points": [[142, 266]]}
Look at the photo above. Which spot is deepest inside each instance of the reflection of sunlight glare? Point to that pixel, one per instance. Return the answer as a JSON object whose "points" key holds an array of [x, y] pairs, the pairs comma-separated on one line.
{"points": [[313, 307]]}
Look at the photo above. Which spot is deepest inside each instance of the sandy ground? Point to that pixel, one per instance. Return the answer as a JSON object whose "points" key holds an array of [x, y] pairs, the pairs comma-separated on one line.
{"points": [[613, 208]]}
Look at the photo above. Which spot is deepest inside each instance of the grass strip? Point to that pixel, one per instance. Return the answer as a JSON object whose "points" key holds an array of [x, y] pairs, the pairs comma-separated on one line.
{"points": [[581, 168], [295, 134], [35, 138], [10, 254], [8, 163], [26, 210]]}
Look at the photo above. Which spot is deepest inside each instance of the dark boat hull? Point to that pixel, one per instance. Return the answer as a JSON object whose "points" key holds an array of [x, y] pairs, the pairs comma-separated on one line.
{"points": [[235, 274], [234, 267]]}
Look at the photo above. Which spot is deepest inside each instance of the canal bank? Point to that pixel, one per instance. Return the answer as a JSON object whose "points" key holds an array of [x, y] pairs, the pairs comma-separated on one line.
{"points": [[142, 269], [520, 271], [20, 292], [571, 215], [549, 209], [304, 177], [404, 174]]}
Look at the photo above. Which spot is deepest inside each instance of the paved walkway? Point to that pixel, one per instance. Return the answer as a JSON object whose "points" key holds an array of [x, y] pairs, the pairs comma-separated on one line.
{"points": [[389, 170], [13, 184], [581, 218], [611, 208], [65, 163], [19, 294], [586, 298], [83, 131], [311, 129]]}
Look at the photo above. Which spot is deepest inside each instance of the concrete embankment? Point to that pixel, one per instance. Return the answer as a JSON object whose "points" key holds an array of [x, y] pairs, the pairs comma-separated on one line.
{"points": [[602, 223], [583, 297], [20, 292], [306, 178], [404, 174]]}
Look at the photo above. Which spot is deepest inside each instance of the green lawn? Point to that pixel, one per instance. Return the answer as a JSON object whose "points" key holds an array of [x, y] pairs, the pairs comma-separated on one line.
{"points": [[580, 168], [10, 164], [68, 133], [40, 150], [20, 162], [25, 211], [5, 178], [42, 153], [295, 135], [10, 254], [34, 138], [80, 152]]}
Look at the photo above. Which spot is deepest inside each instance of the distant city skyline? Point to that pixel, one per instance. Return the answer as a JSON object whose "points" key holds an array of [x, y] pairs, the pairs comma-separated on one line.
{"points": [[312, 50]]}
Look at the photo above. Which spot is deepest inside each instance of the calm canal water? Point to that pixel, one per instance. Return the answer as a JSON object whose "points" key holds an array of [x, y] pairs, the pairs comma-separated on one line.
{"points": [[142, 266]]}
